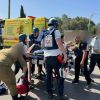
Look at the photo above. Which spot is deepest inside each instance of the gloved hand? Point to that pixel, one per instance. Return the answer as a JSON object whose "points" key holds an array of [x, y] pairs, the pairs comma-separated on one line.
{"points": [[81, 65]]}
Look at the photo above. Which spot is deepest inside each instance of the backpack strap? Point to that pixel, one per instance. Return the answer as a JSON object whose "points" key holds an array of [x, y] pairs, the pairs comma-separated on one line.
{"points": [[49, 33]]}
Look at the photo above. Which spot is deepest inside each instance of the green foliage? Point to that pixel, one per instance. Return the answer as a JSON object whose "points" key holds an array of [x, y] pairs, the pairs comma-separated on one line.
{"points": [[78, 23], [98, 25], [22, 14], [60, 23]]}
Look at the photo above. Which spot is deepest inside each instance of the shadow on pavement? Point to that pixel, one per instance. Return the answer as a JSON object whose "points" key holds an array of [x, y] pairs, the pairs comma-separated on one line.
{"points": [[30, 98], [95, 76], [80, 92], [74, 91], [40, 90]]}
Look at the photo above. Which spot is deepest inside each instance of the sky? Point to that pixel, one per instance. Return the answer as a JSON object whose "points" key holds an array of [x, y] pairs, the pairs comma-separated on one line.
{"points": [[53, 8]]}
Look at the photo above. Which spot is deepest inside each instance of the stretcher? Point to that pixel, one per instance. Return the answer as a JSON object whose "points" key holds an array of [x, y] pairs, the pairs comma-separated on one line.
{"points": [[38, 55]]}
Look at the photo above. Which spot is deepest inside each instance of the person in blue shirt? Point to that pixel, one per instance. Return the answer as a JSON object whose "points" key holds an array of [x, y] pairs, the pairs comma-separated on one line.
{"points": [[33, 37], [33, 40]]}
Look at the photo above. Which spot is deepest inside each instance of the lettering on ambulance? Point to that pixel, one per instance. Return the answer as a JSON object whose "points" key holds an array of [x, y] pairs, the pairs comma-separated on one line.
{"points": [[48, 41]]}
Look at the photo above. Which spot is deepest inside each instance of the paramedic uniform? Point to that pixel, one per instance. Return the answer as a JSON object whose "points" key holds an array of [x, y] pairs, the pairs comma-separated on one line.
{"points": [[50, 53]]}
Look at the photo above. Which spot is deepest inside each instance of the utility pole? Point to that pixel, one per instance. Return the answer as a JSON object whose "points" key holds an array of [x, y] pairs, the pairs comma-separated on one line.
{"points": [[9, 3], [89, 24]]}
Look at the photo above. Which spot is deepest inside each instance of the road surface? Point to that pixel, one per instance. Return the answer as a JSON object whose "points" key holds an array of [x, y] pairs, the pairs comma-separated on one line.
{"points": [[74, 91]]}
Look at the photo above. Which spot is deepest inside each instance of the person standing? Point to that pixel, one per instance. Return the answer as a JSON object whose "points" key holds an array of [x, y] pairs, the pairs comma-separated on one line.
{"points": [[95, 54], [33, 40], [81, 60], [53, 47]]}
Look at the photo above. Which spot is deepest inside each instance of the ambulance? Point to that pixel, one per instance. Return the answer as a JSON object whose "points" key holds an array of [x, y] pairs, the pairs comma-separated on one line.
{"points": [[10, 34]]}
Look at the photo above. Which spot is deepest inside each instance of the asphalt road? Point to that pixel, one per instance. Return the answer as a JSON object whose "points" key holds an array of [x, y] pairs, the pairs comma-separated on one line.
{"points": [[74, 91]]}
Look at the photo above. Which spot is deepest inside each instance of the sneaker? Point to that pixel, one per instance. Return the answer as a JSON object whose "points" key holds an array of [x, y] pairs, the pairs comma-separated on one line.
{"points": [[50, 96], [92, 80], [31, 86], [15, 97], [53, 89], [88, 85], [62, 98], [18, 98], [32, 82], [39, 77], [75, 81], [21, 98]]}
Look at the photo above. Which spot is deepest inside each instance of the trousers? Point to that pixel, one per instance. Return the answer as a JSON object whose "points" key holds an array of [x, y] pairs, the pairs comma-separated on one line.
{"points": [[95, 58], [8, 77], [77, 69], [50, 64]]}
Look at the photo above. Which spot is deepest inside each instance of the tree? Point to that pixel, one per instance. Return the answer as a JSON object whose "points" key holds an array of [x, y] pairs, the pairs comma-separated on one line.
{"points": [[60, 23], [22, 14], [64, 17], [65, 22], [98, 25], [77, 23]]}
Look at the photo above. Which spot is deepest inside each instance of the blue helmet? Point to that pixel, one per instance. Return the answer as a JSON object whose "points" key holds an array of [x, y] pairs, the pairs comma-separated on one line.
{"points": [[35, 30], [22, 38], [53, 22]]}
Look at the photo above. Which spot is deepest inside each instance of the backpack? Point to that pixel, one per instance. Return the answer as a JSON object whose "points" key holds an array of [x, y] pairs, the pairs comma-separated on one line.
{"points": [[43, 34], [23, 86]]}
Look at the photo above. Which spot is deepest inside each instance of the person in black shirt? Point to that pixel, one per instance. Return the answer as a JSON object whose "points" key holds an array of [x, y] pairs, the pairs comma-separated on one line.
{"points": [[81, 60]]}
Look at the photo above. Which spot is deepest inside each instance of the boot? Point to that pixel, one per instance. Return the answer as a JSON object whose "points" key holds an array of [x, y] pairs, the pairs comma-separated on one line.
{"points": [[15, 97], [18, 98]]}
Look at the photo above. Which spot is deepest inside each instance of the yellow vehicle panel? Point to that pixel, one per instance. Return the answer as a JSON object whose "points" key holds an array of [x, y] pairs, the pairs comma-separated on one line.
{"points": [[40, 23], [10, 29], [10, 42]]}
